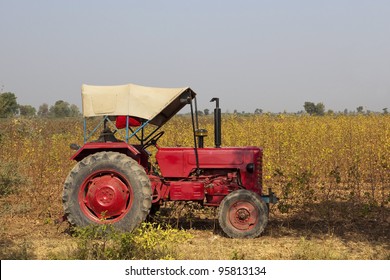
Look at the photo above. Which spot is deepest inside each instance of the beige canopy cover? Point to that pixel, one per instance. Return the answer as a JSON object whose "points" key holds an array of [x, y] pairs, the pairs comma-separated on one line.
{"points": [[150, 103]]}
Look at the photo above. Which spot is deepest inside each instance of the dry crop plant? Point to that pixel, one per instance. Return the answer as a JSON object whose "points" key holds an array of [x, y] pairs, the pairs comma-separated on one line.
{"points": [[38, 150], [330, 168], [333, 168]]}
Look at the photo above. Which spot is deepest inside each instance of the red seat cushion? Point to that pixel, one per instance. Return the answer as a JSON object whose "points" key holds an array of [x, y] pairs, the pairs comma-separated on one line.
{"points": [[121, 121]]}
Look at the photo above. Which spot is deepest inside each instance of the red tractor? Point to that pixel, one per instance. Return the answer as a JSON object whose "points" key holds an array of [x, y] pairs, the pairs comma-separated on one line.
{"points": [[114, 182]]}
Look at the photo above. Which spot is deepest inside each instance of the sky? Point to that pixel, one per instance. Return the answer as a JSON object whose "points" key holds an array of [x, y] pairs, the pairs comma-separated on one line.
{"points": [[268, 54]]}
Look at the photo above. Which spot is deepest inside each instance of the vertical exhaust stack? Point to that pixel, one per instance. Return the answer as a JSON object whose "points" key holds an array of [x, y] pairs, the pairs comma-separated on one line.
{"points": [[217, 123]]}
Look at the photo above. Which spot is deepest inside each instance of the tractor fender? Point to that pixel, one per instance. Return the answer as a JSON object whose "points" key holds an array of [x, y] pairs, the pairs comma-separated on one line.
{"points": [[94, 147]]}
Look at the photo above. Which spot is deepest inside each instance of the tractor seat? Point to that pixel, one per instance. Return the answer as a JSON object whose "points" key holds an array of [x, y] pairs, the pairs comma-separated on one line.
{"points": [[120, 122]]}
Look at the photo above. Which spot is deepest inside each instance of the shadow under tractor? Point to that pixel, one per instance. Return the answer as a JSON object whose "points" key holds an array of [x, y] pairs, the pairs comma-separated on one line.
{"points": [[115, 183]]}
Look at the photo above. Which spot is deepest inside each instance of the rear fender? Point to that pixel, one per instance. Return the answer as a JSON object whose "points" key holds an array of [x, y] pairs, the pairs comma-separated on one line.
{"points": [[95, 147]]}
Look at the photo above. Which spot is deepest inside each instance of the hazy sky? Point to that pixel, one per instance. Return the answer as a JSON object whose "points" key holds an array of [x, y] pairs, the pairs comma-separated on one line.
{"points": [[268, 54]]}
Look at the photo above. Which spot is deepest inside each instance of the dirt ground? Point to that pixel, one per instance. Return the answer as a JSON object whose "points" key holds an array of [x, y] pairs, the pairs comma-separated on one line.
{"points": [[286, 237]]}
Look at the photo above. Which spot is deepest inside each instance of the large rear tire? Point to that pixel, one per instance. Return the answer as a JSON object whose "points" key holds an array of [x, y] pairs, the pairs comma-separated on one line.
{"points": [[243, 214], [107, 188]]}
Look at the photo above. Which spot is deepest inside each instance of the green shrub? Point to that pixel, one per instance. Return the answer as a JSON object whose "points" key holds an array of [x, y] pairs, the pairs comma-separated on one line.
{"points": [[148, 242]]}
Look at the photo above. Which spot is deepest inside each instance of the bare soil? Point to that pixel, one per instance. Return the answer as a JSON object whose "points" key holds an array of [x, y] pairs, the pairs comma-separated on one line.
{"points": [[287, 237]]}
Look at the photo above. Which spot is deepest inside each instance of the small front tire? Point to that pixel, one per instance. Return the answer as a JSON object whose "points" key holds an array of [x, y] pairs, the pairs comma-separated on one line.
{"points": [[243, 214]]}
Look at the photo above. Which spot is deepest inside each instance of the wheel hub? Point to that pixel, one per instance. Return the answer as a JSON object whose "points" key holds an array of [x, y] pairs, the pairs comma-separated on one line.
{"points": [[243, 215], [107, 196]]}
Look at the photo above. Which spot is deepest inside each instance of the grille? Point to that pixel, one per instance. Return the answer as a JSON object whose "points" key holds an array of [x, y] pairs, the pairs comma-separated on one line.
{"points": [[259, 171]]}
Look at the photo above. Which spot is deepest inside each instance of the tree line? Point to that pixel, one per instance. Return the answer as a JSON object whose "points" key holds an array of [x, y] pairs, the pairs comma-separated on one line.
{"points": [[318, 109], [9, 107]]}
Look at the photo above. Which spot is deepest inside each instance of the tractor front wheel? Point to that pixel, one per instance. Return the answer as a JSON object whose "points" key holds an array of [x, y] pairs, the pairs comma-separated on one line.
{"points": [[243, 214], [107, 188]]}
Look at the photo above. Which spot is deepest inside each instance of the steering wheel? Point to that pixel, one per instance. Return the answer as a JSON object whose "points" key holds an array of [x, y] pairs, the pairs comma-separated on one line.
{"points": [[153, 140]]}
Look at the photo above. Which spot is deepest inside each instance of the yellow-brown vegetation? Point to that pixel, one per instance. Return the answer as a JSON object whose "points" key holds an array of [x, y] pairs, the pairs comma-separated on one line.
{"points": [[331, 173]]}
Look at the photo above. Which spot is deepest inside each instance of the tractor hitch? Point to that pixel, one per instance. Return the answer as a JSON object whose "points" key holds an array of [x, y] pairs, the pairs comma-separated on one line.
{"points": [[270, 197]]}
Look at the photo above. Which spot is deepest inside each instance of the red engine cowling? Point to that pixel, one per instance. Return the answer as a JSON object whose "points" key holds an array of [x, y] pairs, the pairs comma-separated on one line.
{"points": [[180, 164]]}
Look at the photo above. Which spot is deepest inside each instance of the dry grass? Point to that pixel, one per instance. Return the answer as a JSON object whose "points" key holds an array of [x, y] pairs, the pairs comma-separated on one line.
{"points": [[279, 242]]}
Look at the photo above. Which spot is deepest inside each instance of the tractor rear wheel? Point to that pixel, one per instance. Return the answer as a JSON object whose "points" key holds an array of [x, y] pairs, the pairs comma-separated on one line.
{"points": [[243, 214], [107, 188]]}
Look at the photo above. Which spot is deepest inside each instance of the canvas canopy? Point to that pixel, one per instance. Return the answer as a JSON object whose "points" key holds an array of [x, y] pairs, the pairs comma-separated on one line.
{"points": [[157, 105]]}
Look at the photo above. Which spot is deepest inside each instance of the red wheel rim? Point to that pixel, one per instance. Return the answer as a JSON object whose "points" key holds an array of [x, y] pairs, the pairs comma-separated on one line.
{"points": [[105, 196], [243, 215]]}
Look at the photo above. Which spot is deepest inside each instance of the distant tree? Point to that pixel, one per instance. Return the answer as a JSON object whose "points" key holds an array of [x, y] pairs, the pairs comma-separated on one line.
{"points": [[206, 112], [60, 109], [27, 110], [8, 105], [359, 109], [314, 109], [43, 110], [320, 109], [200, 113], [310, 108], [258, 111], [385, 112], [74, 111]]}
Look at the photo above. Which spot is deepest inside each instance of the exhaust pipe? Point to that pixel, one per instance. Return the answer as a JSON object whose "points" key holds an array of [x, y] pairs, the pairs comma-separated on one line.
{"points": [[217, 123]]}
